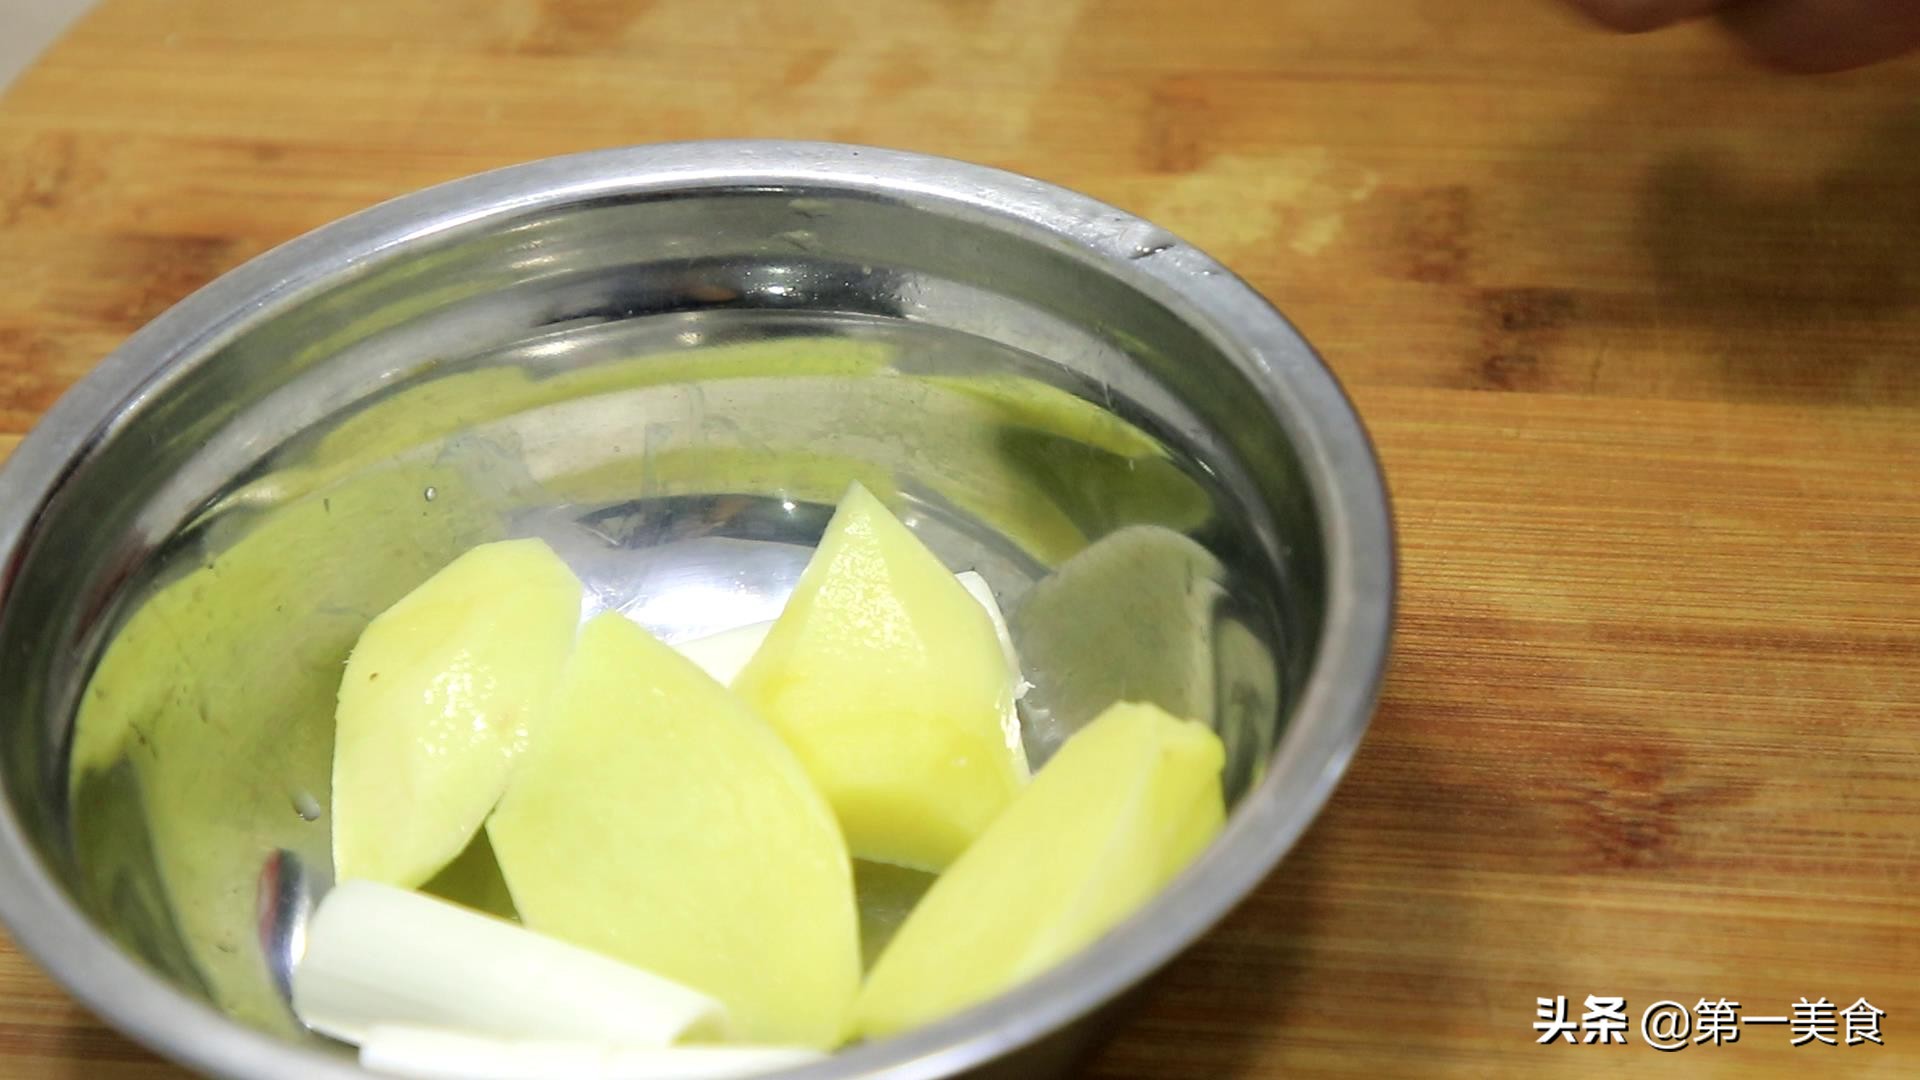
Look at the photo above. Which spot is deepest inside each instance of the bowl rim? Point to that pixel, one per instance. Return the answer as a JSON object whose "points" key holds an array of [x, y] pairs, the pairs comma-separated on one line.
{"points": [[1331, 711]]}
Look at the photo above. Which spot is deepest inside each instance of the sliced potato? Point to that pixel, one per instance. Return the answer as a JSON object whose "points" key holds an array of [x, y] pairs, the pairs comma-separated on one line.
{"points": [[656, 819], [1121, 809], [889, 681], [437, 700]]}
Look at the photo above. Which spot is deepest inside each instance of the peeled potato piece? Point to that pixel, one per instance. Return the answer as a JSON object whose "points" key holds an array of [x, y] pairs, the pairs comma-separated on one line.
{"points": [[889, 681], [657, 820], [1123, 807], [437, 699], [723, 655]]}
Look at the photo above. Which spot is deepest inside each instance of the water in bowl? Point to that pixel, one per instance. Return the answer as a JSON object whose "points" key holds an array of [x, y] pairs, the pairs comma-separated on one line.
{"points": [[685, 466]]}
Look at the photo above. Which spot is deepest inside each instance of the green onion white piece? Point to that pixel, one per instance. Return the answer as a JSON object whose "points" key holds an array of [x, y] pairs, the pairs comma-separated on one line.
{"points": [[722, 655], [978, 588], [377, 956], [420, 1053]]}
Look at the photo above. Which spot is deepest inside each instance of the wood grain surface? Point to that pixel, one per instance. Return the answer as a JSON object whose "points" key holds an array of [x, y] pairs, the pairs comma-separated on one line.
{"points": [[1636, 326]]}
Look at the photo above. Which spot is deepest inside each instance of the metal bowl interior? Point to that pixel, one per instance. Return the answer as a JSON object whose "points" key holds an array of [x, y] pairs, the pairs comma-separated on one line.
{"points": [[669, 362]]}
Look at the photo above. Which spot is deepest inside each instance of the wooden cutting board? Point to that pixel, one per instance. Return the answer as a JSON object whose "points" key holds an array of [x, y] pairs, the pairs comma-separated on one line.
{"points": [[1637, 328]]}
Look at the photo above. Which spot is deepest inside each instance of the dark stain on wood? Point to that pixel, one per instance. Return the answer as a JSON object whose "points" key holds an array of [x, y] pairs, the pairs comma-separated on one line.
{"points": [[1629, 804], [1509, 371], [901, 72], [969, 14], [38, 179], [1520, 327], [1176, 119], [143, 276], [1514, 311], [1778, 642], [31, 377], [805, 67], [1429, 233], [576, 27]]}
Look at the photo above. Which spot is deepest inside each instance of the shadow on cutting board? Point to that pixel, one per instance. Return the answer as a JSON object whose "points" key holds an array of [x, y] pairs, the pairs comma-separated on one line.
{"points": [[1732, 242], [1753, 240]]}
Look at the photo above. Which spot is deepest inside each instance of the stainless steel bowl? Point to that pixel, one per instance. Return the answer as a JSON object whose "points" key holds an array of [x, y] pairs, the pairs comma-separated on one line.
{"points": [[668, 361]]}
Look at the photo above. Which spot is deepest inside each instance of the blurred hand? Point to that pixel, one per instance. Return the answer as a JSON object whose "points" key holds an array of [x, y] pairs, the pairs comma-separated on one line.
{"points": [[1800, 35]]}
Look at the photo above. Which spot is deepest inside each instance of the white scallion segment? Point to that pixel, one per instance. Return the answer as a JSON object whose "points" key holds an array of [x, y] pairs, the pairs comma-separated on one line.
{"points": [[722, 655], [378, 955], [421, 1053], [978, 588]]}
